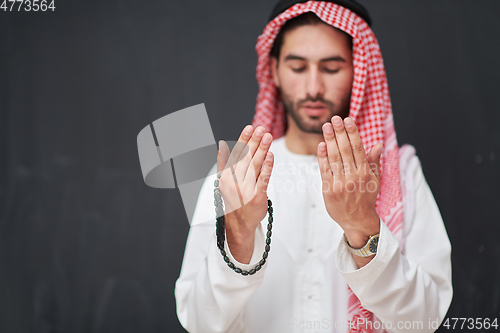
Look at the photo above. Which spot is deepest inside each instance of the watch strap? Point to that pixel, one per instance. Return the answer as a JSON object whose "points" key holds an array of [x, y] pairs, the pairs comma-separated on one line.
{"points": [[369, 249]]}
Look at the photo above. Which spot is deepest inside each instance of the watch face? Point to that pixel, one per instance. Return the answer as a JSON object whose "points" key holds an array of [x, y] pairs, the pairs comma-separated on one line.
{"points": [[373, 245]]}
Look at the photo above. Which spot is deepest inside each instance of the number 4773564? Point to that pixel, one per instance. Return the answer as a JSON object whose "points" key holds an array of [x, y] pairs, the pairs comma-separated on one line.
{"points": [[28, 5], [470, 323]]}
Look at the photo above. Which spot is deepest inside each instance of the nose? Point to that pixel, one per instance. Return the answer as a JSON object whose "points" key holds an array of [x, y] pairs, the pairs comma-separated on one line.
{"points": [[314, 83]]}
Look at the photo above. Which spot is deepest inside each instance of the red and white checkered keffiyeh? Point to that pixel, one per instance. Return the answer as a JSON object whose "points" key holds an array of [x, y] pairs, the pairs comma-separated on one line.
{"points": [[370, 109]]}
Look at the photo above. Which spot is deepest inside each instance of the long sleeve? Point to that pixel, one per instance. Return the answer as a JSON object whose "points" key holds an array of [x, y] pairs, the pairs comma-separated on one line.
{"points": [[300, 286], [210, 297], [413, 289]]}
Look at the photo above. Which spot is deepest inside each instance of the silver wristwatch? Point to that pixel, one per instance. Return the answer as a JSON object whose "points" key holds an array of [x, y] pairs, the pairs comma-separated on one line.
{"points": [[369, 249]]}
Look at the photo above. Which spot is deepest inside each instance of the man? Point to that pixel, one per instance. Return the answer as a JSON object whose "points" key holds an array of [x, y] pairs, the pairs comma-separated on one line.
{"points": [[324, 99]]}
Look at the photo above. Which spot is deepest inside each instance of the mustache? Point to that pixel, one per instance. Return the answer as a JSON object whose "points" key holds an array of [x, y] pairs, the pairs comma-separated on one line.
{"points": [[328, 103]]}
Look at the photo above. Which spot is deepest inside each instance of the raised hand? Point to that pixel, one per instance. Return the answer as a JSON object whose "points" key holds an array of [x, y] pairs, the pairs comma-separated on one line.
{"points": [[351, 180], [243, 185]]}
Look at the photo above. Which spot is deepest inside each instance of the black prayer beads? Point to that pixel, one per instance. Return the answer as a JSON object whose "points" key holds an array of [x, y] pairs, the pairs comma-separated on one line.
{"points": [[220, 232]]}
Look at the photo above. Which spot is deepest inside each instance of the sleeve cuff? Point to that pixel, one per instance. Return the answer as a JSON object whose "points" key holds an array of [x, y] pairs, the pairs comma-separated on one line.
{"points": [[387, 247]]}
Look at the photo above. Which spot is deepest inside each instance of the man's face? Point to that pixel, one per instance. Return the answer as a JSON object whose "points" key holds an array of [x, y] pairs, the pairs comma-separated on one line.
{"points": [[314, 75]]}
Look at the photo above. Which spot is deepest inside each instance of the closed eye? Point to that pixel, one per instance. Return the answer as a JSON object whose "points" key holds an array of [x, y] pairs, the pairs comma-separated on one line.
{"points": [[298, 70], [331, 71]]}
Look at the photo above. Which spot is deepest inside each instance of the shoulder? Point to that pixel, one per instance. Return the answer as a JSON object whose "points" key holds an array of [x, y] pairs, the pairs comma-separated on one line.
{"points": [[414, 187], [410, 169]]}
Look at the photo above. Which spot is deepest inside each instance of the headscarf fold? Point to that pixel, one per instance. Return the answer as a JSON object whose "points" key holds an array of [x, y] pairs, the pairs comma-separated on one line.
{"points": [[370, 108]]}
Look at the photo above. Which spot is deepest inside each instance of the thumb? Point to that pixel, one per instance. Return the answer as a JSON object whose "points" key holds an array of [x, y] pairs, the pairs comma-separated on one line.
{"points": [[222, 156], [374, 158], [265, 174]]}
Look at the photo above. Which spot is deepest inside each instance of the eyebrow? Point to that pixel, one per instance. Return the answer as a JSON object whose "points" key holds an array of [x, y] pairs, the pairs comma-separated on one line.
{"points": [[295, 57]]}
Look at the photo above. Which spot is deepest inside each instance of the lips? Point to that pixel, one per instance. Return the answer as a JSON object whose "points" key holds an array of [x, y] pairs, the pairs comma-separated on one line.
{"points": [[314, 109]]}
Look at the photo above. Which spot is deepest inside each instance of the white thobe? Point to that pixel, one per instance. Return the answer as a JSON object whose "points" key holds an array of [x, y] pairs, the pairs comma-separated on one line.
{"points": [[303, 285]]}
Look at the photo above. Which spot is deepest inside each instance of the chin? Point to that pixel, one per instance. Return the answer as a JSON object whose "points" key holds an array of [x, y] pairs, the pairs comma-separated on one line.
{"points": [[311, 128]]}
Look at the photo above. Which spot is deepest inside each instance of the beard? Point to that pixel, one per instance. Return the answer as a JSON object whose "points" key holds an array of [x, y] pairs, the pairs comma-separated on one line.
{"points": [[309, 124]]}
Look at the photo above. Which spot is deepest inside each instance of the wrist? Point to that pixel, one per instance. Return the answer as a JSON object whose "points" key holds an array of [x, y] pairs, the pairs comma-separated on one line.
{"points": [[357, 237], [240, 238], [237, 232]]}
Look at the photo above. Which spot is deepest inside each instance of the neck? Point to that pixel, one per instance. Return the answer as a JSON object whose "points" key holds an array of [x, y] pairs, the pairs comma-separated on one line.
{"points": [[300, 142]]}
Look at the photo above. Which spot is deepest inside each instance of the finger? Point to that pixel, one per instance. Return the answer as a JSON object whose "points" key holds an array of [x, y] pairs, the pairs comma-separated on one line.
{"points": [[245, 158], [332, 150], [324, 167], [265, 174], [219, 162], [374, 158], [343, 144], [358, 150], [239, 147], [255, 167], [222, 156]]}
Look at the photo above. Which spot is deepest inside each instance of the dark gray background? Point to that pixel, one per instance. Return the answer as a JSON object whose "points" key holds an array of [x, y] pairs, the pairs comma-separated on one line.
{"points": [[86, 246]]}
